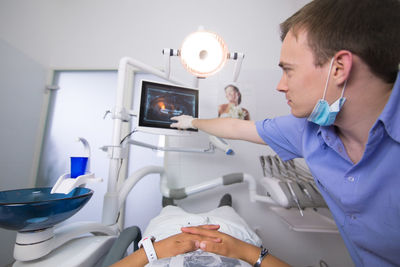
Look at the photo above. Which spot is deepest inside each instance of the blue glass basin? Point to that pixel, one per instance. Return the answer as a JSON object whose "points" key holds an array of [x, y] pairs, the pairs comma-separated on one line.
{"points": [[35, 208]]}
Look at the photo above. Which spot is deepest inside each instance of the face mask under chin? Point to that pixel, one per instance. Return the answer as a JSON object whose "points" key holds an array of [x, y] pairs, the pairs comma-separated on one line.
{"points": [[323, 114]]}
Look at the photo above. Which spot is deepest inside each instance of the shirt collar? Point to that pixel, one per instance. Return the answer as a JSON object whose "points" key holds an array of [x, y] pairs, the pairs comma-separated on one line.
{"points": [[390, 115]]}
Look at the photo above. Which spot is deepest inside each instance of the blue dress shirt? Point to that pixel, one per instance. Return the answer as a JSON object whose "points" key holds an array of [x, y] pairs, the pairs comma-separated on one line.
{"points": [[364, 198]]}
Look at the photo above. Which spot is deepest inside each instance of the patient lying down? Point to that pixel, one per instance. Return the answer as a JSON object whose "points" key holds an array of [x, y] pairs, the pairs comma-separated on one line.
{"points": [[219, 237]]}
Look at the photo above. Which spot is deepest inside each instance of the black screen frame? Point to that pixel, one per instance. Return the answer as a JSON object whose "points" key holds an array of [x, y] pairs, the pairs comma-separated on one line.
{"points": [[151, 126]]}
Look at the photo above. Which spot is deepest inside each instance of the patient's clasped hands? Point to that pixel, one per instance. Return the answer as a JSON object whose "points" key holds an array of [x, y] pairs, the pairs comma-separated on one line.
{"points": [[206, 238], [186, 241], [209, 239]]}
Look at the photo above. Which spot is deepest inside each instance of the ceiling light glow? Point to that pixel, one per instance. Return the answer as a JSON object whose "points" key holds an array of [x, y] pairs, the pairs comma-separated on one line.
{"points": [[203, 53]]}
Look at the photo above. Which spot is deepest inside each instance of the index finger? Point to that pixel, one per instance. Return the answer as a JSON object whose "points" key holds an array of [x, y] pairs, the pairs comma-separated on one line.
{"points": [[209, 231], [210, 226]]}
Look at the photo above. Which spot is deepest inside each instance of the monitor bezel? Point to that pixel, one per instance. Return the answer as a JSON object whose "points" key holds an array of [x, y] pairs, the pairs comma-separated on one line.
{"points": [[161, 129]]}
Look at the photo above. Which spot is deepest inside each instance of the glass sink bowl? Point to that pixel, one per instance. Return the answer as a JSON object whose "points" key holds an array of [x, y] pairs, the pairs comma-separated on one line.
{"points": [[35, 208]]}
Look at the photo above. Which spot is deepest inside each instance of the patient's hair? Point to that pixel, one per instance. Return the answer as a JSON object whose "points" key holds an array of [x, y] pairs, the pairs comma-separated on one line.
{"points": [[368, 28]]}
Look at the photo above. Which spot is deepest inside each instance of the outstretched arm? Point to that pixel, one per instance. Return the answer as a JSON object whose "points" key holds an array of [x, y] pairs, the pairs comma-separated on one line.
{"points": [[222, 127], [232, 247]]}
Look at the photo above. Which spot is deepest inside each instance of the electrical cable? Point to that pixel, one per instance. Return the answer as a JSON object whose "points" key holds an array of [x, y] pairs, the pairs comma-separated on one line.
{"points": [[128, 135]]}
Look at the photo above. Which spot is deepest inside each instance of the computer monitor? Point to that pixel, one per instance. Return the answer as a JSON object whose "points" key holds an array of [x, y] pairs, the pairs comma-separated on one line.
{"points": [[161, 101]]}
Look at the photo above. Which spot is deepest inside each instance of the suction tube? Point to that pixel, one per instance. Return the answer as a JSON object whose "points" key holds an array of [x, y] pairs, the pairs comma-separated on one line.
{"points": [[221, 144]]}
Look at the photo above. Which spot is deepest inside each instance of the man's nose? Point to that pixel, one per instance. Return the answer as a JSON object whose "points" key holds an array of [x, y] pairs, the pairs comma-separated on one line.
{"points": [[282, 85]]}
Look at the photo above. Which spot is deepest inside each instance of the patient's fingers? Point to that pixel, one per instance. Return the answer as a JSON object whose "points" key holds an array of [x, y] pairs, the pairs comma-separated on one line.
{"points": [[225, 248], [210, 246], [229, 246], [177, 244], [210, 226], [205, 230]]}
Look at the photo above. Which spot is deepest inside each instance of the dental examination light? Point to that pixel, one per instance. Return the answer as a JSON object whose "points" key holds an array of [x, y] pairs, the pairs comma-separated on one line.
{"points": [[203, 53]]}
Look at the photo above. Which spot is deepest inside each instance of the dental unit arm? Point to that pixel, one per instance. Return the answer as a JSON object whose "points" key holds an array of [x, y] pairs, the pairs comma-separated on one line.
{"points": [[215, 142], [228, 179], [116, 201]]}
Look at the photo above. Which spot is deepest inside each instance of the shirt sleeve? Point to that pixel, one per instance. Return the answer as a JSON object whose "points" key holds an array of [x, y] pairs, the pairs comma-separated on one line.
{"points": [[284, 135]]}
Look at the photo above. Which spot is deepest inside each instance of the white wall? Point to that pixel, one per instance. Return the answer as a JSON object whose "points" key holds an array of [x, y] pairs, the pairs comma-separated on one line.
{"points": [[20, 109], [95, 34]]}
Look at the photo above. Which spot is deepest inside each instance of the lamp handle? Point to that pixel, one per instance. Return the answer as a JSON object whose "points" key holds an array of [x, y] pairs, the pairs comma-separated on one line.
{"points": [[239, 59]]}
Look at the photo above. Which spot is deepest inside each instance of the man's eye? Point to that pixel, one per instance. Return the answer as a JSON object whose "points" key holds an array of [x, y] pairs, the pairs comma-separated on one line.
{"points": [[287, 71]]}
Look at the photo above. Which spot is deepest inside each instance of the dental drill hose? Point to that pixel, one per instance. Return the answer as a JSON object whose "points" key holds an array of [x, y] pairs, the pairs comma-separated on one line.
{"points": [[221, 144]]}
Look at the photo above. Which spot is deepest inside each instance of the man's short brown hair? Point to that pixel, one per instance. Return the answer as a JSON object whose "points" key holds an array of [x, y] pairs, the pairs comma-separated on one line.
{"points": [[368, 28]]}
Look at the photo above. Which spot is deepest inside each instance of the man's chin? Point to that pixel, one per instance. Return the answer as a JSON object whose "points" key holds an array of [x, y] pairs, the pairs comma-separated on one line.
{"points": [[299, 115]]}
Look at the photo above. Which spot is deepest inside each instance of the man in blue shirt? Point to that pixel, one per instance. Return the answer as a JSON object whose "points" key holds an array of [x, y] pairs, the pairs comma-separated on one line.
{"points": [[340, 61]]}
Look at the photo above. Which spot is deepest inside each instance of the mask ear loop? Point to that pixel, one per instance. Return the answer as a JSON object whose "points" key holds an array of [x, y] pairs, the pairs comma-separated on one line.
{"points": [[327, 80], [344, 87]]}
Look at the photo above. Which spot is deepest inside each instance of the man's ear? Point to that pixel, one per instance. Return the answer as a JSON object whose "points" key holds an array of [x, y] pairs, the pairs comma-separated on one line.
{"points": [[342, 66]]}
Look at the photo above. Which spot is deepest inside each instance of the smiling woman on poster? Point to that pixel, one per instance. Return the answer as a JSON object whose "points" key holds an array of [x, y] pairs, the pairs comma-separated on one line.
{"points": [[232, 109]]}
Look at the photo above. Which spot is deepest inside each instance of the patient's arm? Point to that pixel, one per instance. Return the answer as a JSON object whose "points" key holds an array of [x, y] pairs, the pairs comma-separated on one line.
{"points": [[136, 259], [231, 247], [169, 247]]}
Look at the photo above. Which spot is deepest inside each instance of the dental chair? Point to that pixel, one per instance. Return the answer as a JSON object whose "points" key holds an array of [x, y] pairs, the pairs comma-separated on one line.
{"points": [[129, 236], [132, 235]]}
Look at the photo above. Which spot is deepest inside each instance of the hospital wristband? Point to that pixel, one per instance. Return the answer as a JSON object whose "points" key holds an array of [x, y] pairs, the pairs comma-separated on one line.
{"points": [[148, 247], [263, 254]]}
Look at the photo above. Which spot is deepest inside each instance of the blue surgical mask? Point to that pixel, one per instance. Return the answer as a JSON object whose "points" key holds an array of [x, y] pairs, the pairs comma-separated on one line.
{"points": [[323, 114]]}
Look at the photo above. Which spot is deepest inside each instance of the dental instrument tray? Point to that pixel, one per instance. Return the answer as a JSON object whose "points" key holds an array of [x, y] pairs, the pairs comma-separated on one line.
{"points": [[289, 184], [36, 208]]}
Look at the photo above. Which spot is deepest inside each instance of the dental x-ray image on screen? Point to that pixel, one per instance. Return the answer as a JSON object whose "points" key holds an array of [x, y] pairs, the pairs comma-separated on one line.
{"points": [[159, 102]]}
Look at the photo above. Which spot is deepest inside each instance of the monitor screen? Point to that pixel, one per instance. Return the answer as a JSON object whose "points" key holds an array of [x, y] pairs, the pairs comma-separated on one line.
{"points": [[160, 101]]}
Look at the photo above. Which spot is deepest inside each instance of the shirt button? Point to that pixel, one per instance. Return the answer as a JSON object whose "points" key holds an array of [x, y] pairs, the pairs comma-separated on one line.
{"points": [[350, 179]]}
